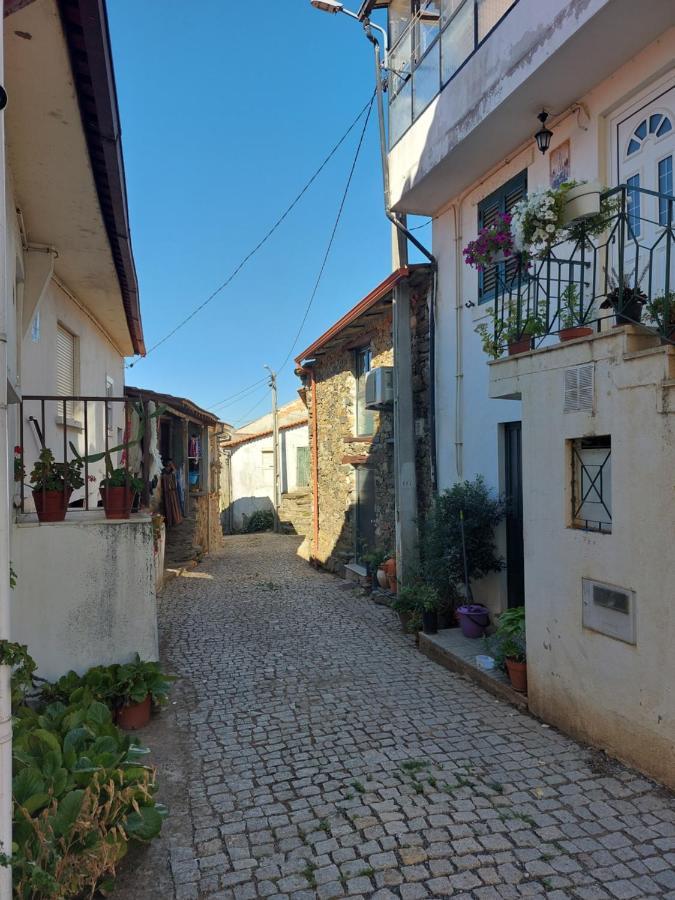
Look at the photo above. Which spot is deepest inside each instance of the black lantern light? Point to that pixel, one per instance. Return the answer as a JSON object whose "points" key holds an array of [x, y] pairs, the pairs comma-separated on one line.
{"points": [[544, 135]]}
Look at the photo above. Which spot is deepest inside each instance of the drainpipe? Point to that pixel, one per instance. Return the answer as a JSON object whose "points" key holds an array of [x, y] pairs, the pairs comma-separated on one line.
{"points": [[5, 517], [309, 371]]}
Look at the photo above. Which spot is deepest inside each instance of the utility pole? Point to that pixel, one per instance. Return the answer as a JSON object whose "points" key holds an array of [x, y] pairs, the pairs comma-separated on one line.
{"points": [[275, 447]]}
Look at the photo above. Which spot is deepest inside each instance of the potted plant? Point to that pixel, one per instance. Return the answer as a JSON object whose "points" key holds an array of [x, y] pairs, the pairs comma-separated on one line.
{"points": [[626, 300], [137, 686], [537, 221], [118, 492], [52, 484], [571, 326], [374, 561], [508, 646], [404, 604], [493, 245], [582, 201], [661, 312], [510, 329], [389, 567]]}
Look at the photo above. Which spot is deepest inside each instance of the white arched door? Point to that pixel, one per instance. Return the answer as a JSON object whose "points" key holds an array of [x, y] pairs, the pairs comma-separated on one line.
{"points": [[643, 152]]}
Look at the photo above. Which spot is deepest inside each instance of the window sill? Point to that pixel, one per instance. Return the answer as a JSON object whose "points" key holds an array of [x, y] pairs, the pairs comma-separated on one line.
{"points": [[73, 424]]}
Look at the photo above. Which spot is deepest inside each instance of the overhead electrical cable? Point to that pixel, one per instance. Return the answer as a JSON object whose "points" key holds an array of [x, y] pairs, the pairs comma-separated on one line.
{"points": [[332, 236], [239, 395], [366, 109]]}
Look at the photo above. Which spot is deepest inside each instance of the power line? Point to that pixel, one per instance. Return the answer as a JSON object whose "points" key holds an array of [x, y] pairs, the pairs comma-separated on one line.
{"points": [[264, 240], [244, 418], [239, 395], [332, 236]]}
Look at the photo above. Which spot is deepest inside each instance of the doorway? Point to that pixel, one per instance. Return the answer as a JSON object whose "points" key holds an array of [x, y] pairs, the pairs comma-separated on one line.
{"points": [[364, 532], [513, 489]]}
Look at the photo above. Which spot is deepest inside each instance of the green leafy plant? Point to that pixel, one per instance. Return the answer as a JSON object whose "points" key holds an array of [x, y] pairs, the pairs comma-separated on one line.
{"points": [[569, 307], [508, 641], [23, 668], [661, 310], [374, 559], [120, 478], [442, 560], [49, 475], [507, 327], [260, 520], [418, 597]]}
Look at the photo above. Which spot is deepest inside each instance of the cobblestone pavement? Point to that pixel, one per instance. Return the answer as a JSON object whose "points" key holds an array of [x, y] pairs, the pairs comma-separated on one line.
{"points": [[312, 751]]}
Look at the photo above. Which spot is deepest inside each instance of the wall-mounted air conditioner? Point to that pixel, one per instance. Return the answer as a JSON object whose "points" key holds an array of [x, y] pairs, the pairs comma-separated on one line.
{"points": [[380, 388]]}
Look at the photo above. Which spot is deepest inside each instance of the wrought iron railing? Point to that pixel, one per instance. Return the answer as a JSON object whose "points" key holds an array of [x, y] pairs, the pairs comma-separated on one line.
{"points": [[89, 427], [621, 273], [431, 49]]}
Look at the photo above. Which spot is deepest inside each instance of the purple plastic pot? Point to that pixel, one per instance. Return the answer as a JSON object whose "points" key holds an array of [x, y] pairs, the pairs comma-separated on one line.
{"points": [[473, 620]]}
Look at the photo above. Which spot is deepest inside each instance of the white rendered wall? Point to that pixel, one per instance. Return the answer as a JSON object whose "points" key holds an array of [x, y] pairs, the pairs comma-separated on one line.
{"points": [[85, 594], [617, 695], [252, 485]]}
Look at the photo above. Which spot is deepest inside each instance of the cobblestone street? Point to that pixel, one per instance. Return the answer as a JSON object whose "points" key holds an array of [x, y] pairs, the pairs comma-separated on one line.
{"points": [[312, 751]]}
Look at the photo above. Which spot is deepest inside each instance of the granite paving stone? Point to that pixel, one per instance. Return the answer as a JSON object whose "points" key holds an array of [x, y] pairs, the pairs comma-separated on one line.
{"points": [[310, 751]]}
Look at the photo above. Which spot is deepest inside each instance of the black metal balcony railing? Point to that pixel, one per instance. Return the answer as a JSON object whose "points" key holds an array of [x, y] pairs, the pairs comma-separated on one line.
{"points": [[430, 51], [93, 426], [625, 274]]}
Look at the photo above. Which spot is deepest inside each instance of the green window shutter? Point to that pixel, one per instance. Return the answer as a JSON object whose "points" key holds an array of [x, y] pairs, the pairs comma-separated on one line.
{"points": [[500, 201], [302, 467]]}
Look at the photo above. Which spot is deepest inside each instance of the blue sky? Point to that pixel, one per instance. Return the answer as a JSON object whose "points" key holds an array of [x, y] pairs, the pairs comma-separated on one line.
{"points": [[225, 115]]}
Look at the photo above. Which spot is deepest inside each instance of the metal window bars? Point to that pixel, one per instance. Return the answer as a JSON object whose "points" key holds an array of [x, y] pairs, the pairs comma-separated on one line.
{"points": [[82, 427], [626, 269], [591, 485]]}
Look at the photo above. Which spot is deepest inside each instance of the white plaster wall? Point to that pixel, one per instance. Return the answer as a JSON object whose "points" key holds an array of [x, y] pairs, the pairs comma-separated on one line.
{"points": [[85, 594], [468, 422], [613, 694], [252, 486]]}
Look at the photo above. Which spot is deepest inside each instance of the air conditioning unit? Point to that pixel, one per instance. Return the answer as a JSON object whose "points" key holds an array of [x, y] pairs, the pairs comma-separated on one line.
{"points": [[380, 388]]}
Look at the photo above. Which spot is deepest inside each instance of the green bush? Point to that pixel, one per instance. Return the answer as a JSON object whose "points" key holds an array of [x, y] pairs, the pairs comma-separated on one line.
{"points": [[81, 793], [416, 598], [260, 520], [116, 685], [508, 641], [442, 563]]}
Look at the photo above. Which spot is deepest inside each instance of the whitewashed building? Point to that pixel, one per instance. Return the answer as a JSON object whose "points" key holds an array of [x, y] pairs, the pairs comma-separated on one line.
{"points": [[578, 434], [247, 478], [85, 592]]}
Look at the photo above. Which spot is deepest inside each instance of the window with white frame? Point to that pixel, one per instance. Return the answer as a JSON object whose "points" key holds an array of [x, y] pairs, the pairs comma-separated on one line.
{"points": [[591, 459], [364, 423], [110, 392], [66, 368]]}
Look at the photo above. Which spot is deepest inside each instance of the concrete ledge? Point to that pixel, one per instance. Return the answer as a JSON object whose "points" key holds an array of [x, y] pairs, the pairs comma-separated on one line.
{"points": [[438, 647]]}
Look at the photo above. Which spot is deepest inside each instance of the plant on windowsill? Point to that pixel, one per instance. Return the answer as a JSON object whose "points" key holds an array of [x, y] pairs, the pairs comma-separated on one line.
{"points": [[507, 646], [52, 484], [494, 244], [508, 331], [659, 309], [118, 491], [571, 324]]}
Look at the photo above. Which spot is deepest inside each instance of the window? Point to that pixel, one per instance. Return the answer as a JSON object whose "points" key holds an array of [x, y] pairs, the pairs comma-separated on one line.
{"points": [[657, 124], [592, 483], [66, 381], [501, 201], [109, 392], [364, 424], [302, 467], [268, 467], [665, 187], [633, 197]]}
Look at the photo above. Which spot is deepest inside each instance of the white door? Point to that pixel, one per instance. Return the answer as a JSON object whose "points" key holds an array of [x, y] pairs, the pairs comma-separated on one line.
{"points": [[643, 147]]}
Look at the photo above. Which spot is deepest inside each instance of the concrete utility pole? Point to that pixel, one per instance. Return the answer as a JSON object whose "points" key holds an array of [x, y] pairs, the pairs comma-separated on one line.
{"points": [[275, 447]]}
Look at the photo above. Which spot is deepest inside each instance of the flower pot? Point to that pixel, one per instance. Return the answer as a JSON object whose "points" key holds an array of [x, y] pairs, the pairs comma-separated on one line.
{"points": [[382, 578], [581, 202], [517, 675], [473, 619], [134, 715], [117, 501], [430, 621], [574, 332], [392, 584], [389, 567], [521, 346], [404, 619], [51, 506]]}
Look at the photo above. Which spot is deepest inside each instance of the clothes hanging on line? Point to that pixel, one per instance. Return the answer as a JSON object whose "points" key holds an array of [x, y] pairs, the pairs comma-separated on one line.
{"points": [[172, 506], [194, 448]]}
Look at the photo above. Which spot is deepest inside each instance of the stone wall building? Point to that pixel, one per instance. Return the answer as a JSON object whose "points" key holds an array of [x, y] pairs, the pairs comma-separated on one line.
{"points": [[352, 475]]}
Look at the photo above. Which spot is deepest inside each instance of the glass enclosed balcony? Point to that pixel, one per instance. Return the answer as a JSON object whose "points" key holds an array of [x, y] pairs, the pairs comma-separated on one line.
{"points": [[429, 51]]}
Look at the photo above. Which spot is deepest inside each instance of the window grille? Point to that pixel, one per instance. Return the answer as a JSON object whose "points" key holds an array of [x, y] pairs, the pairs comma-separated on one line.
{"points": [[592, 484]]}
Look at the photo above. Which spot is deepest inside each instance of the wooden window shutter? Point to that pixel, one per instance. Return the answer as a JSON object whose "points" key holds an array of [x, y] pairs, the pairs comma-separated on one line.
{"points": [[500, 201], [65, 367]]}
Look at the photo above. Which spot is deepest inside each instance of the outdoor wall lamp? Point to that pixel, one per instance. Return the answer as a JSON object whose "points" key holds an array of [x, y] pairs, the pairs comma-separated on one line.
{"points": [[544, 135]]}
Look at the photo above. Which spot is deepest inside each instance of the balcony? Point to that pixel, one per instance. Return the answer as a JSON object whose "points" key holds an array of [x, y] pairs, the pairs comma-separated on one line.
{"points": [[624, 276], [468, 78], [430, 51]]}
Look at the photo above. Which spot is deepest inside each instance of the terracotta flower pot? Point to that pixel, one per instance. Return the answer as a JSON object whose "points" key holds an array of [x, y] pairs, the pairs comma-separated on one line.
{"points": [[576, 331], [517, 675], [134, 715], [51, 506], [389, 567], [117, 501], [521, 346]]}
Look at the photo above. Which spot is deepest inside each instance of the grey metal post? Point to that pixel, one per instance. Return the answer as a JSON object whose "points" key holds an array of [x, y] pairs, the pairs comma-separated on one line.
{"points": [[275, 447]]}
